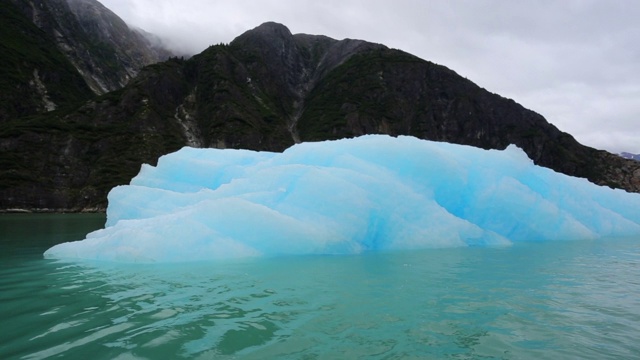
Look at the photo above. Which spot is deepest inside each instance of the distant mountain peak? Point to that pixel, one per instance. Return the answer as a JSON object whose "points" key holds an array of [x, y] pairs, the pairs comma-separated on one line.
{"points": [[272, 28], [631, 156]]}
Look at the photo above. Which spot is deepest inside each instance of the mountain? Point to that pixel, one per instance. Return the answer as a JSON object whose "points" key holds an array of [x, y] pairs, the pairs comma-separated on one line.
{"points": [[267, 90], [627, 155], [35, 76], [102, 48]]}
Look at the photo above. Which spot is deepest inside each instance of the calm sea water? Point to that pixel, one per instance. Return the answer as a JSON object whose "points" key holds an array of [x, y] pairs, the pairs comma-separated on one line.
{"points": [[560, 300]]}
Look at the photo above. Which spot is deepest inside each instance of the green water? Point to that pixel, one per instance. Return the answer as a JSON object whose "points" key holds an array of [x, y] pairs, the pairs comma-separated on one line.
{"points": [[562, 300]]}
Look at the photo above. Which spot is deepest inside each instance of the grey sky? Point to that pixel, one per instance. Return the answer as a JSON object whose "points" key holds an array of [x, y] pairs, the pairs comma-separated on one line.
{"points": [[576, 62]]}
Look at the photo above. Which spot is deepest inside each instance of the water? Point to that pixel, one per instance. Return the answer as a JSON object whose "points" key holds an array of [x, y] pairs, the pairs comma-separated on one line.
{"points": [[559, 300]]}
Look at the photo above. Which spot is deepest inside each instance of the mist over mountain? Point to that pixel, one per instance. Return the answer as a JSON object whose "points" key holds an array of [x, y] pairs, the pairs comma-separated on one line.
{"points": [[102, 47], [267, 90]]}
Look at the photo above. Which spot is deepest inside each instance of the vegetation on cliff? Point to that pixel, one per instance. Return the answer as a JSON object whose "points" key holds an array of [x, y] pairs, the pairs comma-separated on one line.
{"points": [[267, 90]]}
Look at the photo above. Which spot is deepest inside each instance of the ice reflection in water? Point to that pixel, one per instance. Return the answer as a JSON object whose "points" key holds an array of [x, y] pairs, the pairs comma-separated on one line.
{"points": [[553, 300]]}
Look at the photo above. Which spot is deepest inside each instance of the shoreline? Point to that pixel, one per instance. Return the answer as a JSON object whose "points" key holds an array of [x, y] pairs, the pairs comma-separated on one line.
{"points": [[53, 211]]}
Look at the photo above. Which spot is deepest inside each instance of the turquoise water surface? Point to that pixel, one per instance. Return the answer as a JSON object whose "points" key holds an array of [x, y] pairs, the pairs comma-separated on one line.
{"points": [[553, 300]]}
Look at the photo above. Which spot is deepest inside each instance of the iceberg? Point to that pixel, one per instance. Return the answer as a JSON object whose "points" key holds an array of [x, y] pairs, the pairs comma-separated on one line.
{"points": [[348, 196]]}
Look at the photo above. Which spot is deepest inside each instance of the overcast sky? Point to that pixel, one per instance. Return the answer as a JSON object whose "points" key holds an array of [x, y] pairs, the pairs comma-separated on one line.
{"points": [[576, 62]]}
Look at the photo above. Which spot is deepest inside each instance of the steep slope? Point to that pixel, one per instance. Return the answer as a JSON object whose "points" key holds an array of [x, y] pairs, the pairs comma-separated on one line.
{"points": [[68, 162], [35, 76], [251, 93], [100, 45], [267, 90]]}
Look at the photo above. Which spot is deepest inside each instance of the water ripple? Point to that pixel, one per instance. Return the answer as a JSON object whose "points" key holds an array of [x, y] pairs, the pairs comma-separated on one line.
{"points": [[573, 300]]}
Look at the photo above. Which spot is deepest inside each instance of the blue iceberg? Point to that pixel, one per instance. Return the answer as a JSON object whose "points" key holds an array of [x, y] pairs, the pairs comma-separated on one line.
{"points": [[346, 197]]}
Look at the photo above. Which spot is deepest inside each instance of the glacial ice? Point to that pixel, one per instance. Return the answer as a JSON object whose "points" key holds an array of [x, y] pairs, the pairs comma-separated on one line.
{"points": [[346, 197]]}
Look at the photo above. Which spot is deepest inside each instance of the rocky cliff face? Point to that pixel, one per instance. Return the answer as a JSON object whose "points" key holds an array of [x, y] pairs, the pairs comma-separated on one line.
{"points": [[267, 90], [35, 76], [104, 50]]}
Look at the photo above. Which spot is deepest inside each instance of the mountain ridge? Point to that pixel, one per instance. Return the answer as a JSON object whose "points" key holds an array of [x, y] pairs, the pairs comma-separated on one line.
{"points": [[267, 90], [36, 77], [102, 47]]}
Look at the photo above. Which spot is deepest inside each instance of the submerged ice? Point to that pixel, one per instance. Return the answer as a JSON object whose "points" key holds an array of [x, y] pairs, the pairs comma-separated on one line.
{"points": [[345, 197]]}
